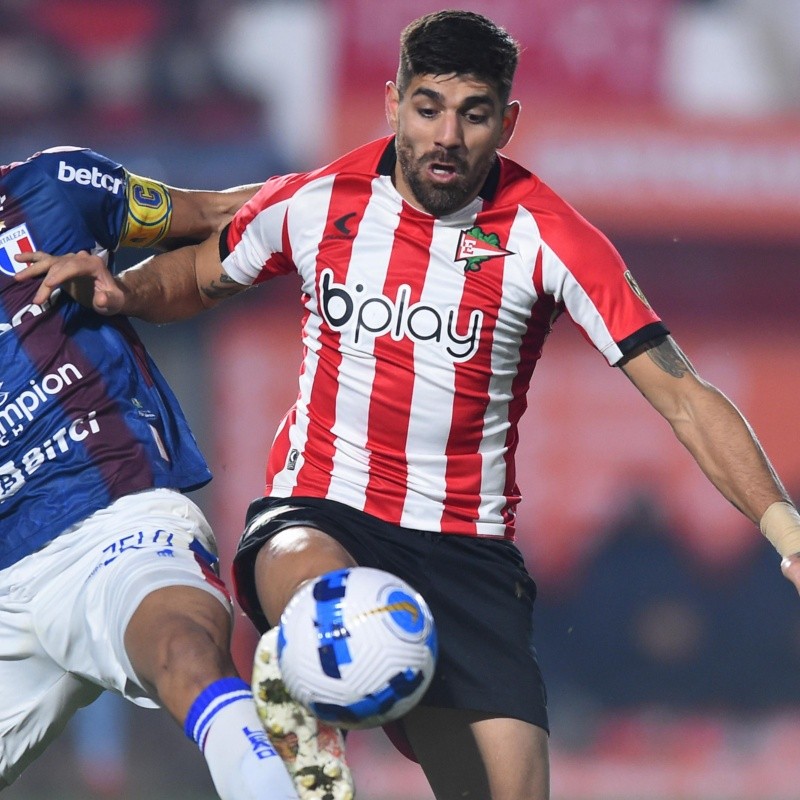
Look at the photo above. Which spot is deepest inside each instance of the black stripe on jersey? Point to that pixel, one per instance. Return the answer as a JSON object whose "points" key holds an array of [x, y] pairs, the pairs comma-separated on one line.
{"points": [[388, 160], [652, 331], [224, 250]]}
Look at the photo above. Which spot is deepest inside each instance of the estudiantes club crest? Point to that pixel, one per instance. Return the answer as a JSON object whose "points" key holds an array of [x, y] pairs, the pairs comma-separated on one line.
{"points": [[475, 247]]}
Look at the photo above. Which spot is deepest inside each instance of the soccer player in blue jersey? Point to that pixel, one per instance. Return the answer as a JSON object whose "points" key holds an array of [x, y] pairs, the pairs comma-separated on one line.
{"points": [[108, 573]]}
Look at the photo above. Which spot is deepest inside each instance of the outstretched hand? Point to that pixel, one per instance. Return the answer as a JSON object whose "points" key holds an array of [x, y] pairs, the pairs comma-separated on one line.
{"points": [[790, 566], [107, 295]]}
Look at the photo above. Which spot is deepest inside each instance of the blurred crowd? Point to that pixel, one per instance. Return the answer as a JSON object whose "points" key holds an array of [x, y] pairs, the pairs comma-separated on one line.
{"points": [[112, 66], [646, 624], [210, 71], [186, 89]]}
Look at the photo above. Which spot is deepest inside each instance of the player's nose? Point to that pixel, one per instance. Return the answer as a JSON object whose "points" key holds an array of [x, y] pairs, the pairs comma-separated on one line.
{"points": [[449, 132]]}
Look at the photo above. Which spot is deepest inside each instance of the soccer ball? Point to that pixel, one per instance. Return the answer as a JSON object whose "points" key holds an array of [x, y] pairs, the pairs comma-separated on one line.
{"points": [[357, 647]]}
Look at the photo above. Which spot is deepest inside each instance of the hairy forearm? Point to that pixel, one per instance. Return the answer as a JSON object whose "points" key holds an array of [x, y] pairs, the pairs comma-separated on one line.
{"points": [[162, 288], [708, 425], [198, 214], [727, 450]]}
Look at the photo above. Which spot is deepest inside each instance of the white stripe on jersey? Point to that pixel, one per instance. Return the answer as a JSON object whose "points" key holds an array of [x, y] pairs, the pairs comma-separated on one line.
{"points": [[253, 251], [432, 400], [369, 263]]}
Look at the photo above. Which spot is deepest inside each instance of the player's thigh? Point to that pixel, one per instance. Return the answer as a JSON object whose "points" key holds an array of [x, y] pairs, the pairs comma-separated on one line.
{"points": [[118, 558], [38, 694], [289, 558], [467, 754]]}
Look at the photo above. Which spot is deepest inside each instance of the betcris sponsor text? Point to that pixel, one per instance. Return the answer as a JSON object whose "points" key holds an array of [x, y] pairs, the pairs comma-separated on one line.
{"points": [[89, 177]]}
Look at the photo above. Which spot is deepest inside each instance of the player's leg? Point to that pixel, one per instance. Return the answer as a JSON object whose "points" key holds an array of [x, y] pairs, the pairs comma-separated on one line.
{"points": [[465, 754], [177, 642], [480, 730], [287, 555], [284, 544], [288, 559], [156, 627]]}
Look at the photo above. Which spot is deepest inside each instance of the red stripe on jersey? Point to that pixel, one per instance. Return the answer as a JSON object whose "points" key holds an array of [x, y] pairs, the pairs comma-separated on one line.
{"points": [[346, 208], [278, 455], [211, 577], [393, 384], [483, 289], [279, 263], [596, 266]]}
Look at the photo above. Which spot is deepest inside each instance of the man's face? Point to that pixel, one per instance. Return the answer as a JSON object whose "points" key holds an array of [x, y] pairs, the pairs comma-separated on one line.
{"points": [[448, 131]]}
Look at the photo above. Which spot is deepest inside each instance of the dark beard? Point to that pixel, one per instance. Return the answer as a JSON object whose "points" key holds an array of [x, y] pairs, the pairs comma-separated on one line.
{"points": [[436, 200]]}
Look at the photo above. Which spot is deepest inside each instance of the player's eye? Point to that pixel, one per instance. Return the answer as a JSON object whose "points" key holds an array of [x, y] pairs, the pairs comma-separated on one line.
{"points": [[476, 117]]}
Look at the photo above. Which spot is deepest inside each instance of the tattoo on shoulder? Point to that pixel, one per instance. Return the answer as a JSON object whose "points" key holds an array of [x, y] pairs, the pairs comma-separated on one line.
{"points": [[666, 356], [222, 287]]}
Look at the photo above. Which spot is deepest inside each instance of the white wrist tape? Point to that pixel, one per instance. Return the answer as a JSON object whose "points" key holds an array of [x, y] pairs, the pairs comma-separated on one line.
{"points": [[781, 525]]}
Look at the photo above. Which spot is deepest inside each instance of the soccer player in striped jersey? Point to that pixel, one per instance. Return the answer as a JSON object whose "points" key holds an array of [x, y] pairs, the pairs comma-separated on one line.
{"points": [[432, 270], [108, 573]]}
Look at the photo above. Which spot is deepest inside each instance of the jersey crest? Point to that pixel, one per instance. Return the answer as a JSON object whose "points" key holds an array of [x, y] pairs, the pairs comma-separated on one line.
{"points": [[475, 247], [17, 240]]}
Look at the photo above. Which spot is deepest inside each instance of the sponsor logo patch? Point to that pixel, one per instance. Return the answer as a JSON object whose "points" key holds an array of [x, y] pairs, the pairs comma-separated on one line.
{"points": [[84, 176], [635, 287]]}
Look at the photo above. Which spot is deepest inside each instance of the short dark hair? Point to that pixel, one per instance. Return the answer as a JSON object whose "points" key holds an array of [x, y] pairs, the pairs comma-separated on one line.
{"points": [[459, 43]]}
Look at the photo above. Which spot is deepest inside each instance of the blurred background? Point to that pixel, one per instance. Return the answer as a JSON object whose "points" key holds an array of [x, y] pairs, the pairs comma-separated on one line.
{"points": [[669, 640]]}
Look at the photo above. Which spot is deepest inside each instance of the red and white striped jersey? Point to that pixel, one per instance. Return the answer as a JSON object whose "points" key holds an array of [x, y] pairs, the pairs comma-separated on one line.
{"points": [[421, 333]]}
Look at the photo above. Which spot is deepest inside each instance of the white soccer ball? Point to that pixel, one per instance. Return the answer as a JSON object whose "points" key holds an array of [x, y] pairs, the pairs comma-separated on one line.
{"points": [[357, 647]]}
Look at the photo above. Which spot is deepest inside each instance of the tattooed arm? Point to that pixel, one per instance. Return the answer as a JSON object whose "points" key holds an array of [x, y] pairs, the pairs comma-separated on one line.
{"points": [[708, 425], [165, 288], [176, 285]]}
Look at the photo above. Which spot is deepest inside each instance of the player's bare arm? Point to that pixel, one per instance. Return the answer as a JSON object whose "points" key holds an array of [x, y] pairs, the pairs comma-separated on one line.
{"points": [[197, 214], [708, 425], [668, 357], [177, 285], [722, 443], [164, 288]]}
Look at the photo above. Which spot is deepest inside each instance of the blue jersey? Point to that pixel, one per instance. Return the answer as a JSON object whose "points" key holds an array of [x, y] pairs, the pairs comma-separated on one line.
{"points": [[85, 415]]}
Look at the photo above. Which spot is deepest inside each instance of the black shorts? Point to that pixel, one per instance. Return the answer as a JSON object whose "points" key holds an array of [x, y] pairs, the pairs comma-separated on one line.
{"points": [[478, 589]]}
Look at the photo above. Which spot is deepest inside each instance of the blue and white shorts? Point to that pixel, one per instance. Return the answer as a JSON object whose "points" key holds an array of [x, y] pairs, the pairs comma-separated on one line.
{"points": [[64, 610]]}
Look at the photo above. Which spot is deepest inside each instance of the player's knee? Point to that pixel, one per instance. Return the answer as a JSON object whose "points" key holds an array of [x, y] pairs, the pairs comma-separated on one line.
{"points": [[193, 648], [179, 635], [290, 558]]}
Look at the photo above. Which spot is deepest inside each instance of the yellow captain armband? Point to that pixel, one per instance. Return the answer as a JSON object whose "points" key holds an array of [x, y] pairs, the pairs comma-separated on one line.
{"points": [[781, 525], [149, 212]]}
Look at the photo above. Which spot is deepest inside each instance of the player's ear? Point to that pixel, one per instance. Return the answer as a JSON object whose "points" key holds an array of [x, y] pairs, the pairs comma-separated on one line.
{"points": [[391, 103], [510, 116]]}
